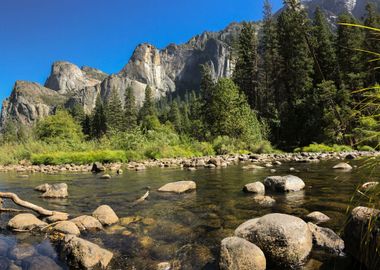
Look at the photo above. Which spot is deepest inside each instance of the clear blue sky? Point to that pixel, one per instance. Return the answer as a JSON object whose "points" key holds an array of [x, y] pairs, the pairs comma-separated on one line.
{"points": [[102, 33]]}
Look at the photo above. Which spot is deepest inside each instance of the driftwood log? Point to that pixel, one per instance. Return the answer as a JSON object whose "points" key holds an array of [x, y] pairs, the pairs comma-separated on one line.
{"points": [[142, 198], [16, 199]]}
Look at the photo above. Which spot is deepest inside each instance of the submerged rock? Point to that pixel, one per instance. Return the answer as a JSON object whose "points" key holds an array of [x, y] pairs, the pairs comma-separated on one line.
{"points": [[239, 254], [87, 223], [265, 201], [362, 236], [256, 187], [317, 217], [284, 183], [83, 254], [326, 239], [284, 239], [39, 263], [178, 187], [25, 222], [22, 251], [105, 215], [53, 191]]}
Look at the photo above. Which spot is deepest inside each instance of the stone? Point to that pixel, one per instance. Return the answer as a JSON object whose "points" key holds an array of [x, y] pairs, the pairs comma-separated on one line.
{"points": [[256, 187], [105, 215], [97, 167], [317, 217], [87, 223], [105, 176], [39, 263], [264, 201], [362, 236], [343, 166], [164, 266], [67, 227], [25, 222], [239, 254], [284, 239], [83, 254], [284, 183], [55, 191], [178, 187], [125, 221], [326, 239], [22, 251], [369, 186], [57, 217]]}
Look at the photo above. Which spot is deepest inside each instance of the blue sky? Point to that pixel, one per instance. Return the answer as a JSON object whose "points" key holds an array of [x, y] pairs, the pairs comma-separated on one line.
{"points": [[102, 33]]}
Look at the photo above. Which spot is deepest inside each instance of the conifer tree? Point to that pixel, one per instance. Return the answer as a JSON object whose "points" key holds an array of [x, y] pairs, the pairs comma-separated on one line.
{"points": [[148, 108], [99, 119], [114, 112], [246, 70], [324, 50], [175, 116], [130, 110], [207, 94]]}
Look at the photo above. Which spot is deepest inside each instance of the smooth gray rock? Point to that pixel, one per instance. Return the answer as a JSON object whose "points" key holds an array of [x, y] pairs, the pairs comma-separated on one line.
{"points": [[284, 183], [67, 227], [317, 217], [284, 239], [105, 215], [87, 223], [239, 254], [54, 190], [343, 166], [178, 187], [256, 187]]}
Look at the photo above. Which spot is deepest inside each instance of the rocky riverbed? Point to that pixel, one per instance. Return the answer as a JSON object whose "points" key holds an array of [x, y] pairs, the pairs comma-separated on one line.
{"points": [[193, 218]]}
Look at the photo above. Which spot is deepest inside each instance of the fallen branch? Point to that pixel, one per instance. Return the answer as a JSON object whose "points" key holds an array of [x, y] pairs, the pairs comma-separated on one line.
{"points": [[28, 205], [140, 200], [12, 210]]}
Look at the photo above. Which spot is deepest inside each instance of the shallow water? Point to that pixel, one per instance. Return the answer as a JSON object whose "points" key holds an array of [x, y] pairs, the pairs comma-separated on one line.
{"points": [[188, 228]]}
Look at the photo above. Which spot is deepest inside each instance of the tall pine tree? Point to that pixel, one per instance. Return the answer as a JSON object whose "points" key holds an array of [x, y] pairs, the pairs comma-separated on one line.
{"points": [[114, 112], [130, 110], [148, 108], [99, 119]]}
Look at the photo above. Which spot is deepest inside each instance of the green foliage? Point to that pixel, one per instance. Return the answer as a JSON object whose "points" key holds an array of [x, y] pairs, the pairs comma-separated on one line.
{"points": [[59, 127], [148, 109], [98, 119], [322, 148], [130, 110], [87, 157], [114, 112]]}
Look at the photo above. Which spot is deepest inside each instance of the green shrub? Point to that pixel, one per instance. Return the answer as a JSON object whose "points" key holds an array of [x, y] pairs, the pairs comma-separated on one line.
{"points": [[322, 148], [366, 148]]}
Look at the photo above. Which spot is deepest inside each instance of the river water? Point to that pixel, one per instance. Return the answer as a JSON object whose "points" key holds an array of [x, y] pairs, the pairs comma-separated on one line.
{"points": [[187, 228]]}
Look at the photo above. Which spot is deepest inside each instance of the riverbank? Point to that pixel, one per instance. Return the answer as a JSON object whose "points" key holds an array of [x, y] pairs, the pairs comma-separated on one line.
{"points": [[265, 160]]}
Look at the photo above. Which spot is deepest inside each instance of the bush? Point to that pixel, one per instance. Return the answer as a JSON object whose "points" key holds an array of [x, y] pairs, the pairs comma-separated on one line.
{"points": [[322, 148], [366, 148], [79, 158]]}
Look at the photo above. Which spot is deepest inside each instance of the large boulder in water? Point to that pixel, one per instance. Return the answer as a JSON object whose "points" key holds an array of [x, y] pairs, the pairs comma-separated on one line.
{"points": [[178, 187], [25, 222], [53, 191], [284, 183], [362, 236], [82, 254], [256, 187], [284, 239], [239, 254], [105, 215], [326, 239]]}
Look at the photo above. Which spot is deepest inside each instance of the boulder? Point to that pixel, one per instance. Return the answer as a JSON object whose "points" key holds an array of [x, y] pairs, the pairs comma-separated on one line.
{"points": [[82, 254], [284, 239], [40, 262], [67, 227], [284, 183], [178, 187], [87, 223], [57, 217], [317, 217], [362, 236], [97, 167], [105, 215], [327, 239], [256, 187], [56, 191], [25, 222], [343, 166], [239, 254]]}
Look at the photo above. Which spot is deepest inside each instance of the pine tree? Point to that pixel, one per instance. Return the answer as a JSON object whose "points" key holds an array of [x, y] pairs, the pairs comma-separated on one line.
{"points": [[207, 94], [130, 110], [175, 116], [148, 108], [246, 70], [324, 50], [77, 112], [114, 112], [99, 119], [296, 76]]}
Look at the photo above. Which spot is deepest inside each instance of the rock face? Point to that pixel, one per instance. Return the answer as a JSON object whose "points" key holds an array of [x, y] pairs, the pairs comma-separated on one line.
{"points": [[239, 254], [25, 222], [362, 242], [105, 215], [178, 187], [284, 183], [284, 239], [82, 254]]}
